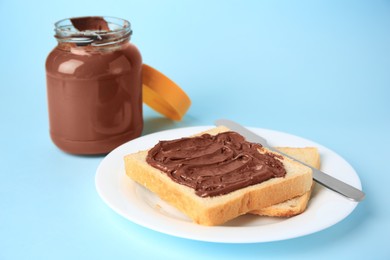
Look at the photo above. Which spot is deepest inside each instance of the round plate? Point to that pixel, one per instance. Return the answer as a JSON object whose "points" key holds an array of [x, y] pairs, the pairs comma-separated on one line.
{"points": [[141, 206]]}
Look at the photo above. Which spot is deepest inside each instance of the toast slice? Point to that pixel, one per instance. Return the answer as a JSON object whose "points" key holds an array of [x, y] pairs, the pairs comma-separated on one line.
{"points": [[295, 206], [217, 210]]}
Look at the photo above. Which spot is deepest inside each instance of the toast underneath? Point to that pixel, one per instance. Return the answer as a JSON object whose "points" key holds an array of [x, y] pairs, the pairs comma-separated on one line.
{"points": [[297, 205]]}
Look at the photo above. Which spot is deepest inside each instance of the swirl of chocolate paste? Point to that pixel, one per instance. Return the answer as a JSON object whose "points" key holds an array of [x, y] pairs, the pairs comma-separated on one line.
{"points": [[214, 165]]}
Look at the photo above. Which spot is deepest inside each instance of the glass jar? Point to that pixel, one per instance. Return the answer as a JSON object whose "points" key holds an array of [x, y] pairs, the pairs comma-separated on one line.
{"points": [[94, 85]]}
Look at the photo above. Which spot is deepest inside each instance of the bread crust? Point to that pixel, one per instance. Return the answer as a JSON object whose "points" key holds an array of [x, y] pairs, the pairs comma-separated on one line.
{"points": [[220, 209]]}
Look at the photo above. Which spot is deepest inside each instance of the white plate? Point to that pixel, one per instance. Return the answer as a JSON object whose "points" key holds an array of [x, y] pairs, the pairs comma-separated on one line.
{"points": [[140, 206]]}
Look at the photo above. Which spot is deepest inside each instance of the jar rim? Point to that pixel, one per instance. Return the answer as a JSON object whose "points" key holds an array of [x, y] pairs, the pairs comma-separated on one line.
{"points": [[119, 30]]}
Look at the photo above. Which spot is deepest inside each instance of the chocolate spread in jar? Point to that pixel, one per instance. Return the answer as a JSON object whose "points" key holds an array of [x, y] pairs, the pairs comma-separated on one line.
{"points": [[214, 165], [94, 85]]}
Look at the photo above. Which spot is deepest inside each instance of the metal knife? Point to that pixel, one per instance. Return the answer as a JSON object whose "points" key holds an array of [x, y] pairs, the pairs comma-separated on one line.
{"points": [[322, 178]]}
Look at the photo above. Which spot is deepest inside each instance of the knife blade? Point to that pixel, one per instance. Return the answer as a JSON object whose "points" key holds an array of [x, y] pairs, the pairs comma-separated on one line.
{"points": [[320, 177]]}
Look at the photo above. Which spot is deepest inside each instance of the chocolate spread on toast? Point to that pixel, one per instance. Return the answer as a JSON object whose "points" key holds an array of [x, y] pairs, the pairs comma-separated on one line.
{"points": [[215, 165]]}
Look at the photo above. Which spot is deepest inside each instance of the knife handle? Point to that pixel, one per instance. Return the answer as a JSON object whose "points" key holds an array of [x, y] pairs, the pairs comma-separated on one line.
{"points": [[338, 186], [330, 182]]}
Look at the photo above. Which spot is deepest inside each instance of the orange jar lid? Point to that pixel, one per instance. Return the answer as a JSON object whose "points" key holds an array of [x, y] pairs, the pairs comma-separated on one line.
{"points": [[163, 95]]}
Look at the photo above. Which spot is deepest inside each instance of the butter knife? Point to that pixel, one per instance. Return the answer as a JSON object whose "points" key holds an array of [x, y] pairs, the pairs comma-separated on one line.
{"points": [[320, 177]]}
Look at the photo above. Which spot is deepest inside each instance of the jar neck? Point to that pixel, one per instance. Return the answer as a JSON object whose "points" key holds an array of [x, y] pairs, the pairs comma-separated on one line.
{"points": [[92, 32]]}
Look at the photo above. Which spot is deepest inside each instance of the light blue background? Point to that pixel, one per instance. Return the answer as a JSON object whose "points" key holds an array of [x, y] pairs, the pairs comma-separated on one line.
{"points": [[317, 69]]}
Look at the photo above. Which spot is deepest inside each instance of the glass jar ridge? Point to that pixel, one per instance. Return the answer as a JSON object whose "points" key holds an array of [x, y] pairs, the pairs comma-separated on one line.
{"points": [[114, 30]]}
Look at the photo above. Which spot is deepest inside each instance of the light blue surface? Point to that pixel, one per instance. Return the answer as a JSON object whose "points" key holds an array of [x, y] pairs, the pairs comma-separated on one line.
{"points": [[316, 69]]}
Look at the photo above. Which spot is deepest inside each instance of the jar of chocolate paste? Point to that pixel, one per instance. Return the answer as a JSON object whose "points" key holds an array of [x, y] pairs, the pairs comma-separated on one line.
{"points": [[94, 85]]}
